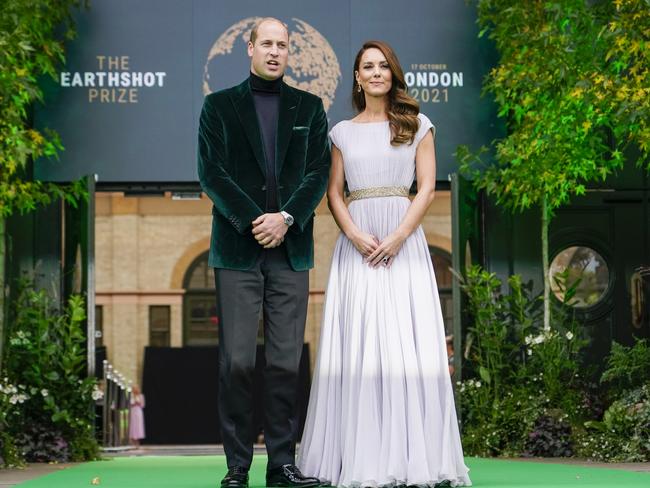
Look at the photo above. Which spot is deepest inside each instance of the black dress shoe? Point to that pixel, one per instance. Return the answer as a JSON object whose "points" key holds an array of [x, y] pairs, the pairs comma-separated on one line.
{"points": [[289, 475], [237, 477]]}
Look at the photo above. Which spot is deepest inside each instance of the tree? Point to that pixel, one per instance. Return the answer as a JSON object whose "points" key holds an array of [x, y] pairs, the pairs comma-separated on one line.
{"points": [[32, 37], [573, 85]]}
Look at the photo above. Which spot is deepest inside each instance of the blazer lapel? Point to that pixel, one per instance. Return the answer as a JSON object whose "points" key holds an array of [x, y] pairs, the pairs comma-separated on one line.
{"points": [[245, 109], [289, 104]]}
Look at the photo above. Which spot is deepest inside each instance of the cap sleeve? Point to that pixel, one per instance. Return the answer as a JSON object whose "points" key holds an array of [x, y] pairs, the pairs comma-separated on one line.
{"points": [[335, 135], [425, 126]]}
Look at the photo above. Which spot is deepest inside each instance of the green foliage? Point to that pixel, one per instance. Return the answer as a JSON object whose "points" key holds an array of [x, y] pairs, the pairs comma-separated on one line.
{"points": [[571, 74], [10, 396], [46, 355], [521, 371], [32, 36], [627, 367], [623, 435], [527, 392], [9, 454]]}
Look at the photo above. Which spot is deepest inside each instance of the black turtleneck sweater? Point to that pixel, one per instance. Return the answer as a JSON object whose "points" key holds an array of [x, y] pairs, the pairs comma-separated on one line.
{"points": [[266, 94]]}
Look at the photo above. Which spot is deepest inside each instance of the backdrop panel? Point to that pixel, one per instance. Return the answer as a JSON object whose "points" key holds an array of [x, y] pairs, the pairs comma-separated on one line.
{"points": [[181, 388], [127, 103]]}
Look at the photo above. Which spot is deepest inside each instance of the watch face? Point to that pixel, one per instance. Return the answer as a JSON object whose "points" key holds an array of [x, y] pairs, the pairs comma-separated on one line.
{"points": [[288, 220]]}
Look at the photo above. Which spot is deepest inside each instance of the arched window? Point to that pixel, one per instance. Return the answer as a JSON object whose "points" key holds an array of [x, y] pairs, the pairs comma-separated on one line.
{"points": [[441, 260], [200, 321]]}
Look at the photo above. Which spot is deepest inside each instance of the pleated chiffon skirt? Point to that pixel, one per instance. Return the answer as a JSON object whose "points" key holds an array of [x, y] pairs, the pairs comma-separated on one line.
{"points": [[381, 409]]}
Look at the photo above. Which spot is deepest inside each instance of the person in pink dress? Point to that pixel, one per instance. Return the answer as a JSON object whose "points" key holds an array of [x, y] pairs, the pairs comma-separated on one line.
{"points": [[136, 416]]}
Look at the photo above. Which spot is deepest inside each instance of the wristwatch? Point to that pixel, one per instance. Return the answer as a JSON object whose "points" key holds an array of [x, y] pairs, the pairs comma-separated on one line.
{"points": [[288, 219]]}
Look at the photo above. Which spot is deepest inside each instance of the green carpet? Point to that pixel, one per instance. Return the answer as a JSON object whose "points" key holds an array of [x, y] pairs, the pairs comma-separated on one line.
{"points": [[206, 471]]}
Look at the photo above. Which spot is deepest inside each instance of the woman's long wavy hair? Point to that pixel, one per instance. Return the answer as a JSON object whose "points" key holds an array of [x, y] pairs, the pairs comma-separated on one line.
{"points": [[402, 109]]}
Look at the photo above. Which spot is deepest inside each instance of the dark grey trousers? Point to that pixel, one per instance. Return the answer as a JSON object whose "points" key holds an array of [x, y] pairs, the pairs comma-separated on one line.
{"points": [[272, 286]]}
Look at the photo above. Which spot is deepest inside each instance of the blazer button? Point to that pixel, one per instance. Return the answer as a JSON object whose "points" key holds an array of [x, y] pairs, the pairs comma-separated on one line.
{"points": [[263, 187]]}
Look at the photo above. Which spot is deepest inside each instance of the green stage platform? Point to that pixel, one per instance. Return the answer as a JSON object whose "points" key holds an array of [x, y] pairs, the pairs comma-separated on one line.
{"points": [[206, 472]]}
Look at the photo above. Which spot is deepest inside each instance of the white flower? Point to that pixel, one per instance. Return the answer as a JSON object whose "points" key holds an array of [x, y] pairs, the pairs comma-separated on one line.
{"points": [[529, 352], [528, 339], [569, 335], [539, 339], [21, 334], [44, 392], [18, 398], [478, 384], [97, 393]]}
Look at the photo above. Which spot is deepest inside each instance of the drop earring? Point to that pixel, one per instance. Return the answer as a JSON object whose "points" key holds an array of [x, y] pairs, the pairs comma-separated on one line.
{"points": [[359, 87]]}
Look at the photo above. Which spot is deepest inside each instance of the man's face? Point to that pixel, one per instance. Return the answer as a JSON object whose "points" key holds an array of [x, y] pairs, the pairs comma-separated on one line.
{"points": [[270, 52]]}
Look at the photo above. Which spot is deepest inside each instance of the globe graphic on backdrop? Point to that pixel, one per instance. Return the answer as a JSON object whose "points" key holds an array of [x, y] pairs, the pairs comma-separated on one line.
{"points": [[313, 65]]}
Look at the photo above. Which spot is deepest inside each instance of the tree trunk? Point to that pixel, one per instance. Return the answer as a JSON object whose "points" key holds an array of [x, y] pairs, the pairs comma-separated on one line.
{"points": [[545, 265], [3, 257]]}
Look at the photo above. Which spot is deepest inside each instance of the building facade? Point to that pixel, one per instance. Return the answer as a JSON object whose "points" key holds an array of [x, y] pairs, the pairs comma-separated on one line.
{"points": [[154, 288]]}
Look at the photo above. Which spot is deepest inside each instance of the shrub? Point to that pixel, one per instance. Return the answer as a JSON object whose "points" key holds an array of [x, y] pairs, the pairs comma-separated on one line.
{"points": [[524, 390], [47, 355], [627, 367], [550, 437], [623, 435], [42, 443]]}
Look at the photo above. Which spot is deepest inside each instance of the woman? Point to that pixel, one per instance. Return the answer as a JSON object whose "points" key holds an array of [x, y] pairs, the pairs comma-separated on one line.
{"points": [[136, 416], [381, 410]]}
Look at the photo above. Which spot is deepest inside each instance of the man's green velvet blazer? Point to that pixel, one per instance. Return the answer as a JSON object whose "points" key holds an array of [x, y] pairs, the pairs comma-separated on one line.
{"points": [[232, 172]]}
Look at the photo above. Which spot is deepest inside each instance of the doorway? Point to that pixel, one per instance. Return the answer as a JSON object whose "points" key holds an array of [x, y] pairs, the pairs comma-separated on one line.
{"points": [[603, 237]]}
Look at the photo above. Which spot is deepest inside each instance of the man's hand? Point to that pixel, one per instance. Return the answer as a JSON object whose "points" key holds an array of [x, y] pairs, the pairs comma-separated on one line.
{"points": [[269, 229]]}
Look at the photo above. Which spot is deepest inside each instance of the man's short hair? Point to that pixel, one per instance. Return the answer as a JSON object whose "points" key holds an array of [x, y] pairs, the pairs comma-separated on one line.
{"points": [[253, 35]]}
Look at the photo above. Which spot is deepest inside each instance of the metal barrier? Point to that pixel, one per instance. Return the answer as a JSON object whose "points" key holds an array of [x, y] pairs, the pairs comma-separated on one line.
{"points": [[115, 411]]}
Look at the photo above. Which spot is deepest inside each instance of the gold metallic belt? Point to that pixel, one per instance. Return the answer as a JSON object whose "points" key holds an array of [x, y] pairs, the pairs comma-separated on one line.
{"points": [[381, 191]]}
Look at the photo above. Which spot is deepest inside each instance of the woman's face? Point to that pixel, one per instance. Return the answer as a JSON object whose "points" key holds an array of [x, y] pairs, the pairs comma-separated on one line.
{"points": [[374, 74]]}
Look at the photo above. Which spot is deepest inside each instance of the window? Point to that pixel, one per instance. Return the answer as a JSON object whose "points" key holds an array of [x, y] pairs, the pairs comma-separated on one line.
{"points": [[159, 325], [200, 276], [200, 322], [584, 264]]}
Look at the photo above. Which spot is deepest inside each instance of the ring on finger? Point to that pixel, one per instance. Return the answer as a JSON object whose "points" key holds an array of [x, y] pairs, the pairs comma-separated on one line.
{"points": [[385, 259]]}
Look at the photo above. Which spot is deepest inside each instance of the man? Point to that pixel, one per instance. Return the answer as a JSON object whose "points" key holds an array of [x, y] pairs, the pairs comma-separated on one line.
{"points": [[264, 163]]}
